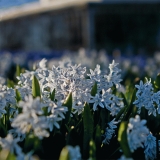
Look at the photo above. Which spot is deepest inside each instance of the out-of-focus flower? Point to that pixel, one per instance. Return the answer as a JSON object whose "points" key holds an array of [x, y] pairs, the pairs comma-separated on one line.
{"points": [[123, 157], [74, 153], [10, 144], [136, 133], [31, 118]]}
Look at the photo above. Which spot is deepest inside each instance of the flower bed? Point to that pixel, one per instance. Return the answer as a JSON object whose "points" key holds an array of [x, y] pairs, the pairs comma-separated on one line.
{"points": [[73, 112]]}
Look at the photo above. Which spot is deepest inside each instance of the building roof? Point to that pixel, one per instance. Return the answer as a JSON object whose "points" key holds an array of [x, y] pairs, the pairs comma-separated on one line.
{"points": [[39, 6]]}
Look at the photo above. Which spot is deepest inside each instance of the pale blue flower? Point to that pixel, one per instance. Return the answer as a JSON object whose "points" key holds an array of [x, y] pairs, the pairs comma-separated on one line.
{"points": [[97, 101], [123, 157], [110, 130], [150, 147], [74, 152], [10, 143], [136, 133]]}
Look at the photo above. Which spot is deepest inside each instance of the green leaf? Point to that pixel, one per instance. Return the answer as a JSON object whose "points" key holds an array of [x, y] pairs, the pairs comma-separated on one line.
{"points": [[3, 130], [32, 143], [18, 96], [11, 156], [64, 155], [124, 99], [6, 155], [122, 138], [18, 70], [120, 113], [98, 136], [36, 92], [94, 89], [92, 151], [52, 95], [130, 107], [68, 103], [88, 129], [10, 83], [157, 81], [105, 117]]}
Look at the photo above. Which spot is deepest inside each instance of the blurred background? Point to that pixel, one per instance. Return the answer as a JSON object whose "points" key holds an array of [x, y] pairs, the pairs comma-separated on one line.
{"points": [[88, 31]]}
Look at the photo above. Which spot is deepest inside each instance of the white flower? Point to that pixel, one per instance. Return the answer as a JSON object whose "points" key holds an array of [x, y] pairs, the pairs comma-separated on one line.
{"points": [[114, 76], [31, 118], [58, 109], [24, 91], [42, 63], [96, 74], [52, 120], [78, 108], [147, 98]]}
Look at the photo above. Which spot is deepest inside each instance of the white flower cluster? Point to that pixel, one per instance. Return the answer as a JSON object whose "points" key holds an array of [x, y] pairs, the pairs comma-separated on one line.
{"points": [[67, 78], [139, 136], [104, 97], [31, 118], [7, 99], [40, 115], [146, 97]]}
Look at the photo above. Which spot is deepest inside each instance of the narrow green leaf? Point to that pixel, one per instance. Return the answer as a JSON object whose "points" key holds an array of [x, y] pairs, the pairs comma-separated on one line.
{"points": [[18, 70], [122, 138], [94, 89], [133, 96], [88, 129], [64, 155], [10, 83], [3, 131], [124, 99], [35, 87], [157, 81], [130, 107], [32, 142], [105, 117], [120, 113], [11, 156], [52, 95], [18, 96], [92, 151], [6, 155], [68, 103], [98, 136]]}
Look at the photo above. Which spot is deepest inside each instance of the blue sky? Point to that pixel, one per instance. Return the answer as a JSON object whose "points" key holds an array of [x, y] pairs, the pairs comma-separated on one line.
{"points": [[9, 3]]}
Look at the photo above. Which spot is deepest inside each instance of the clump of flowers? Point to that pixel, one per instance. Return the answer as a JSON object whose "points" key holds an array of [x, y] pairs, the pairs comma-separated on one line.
{"points": [[146, 97]]}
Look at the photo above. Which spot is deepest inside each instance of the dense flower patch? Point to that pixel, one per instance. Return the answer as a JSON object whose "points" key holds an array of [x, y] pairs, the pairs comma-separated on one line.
{"points": [[73, 112]]}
